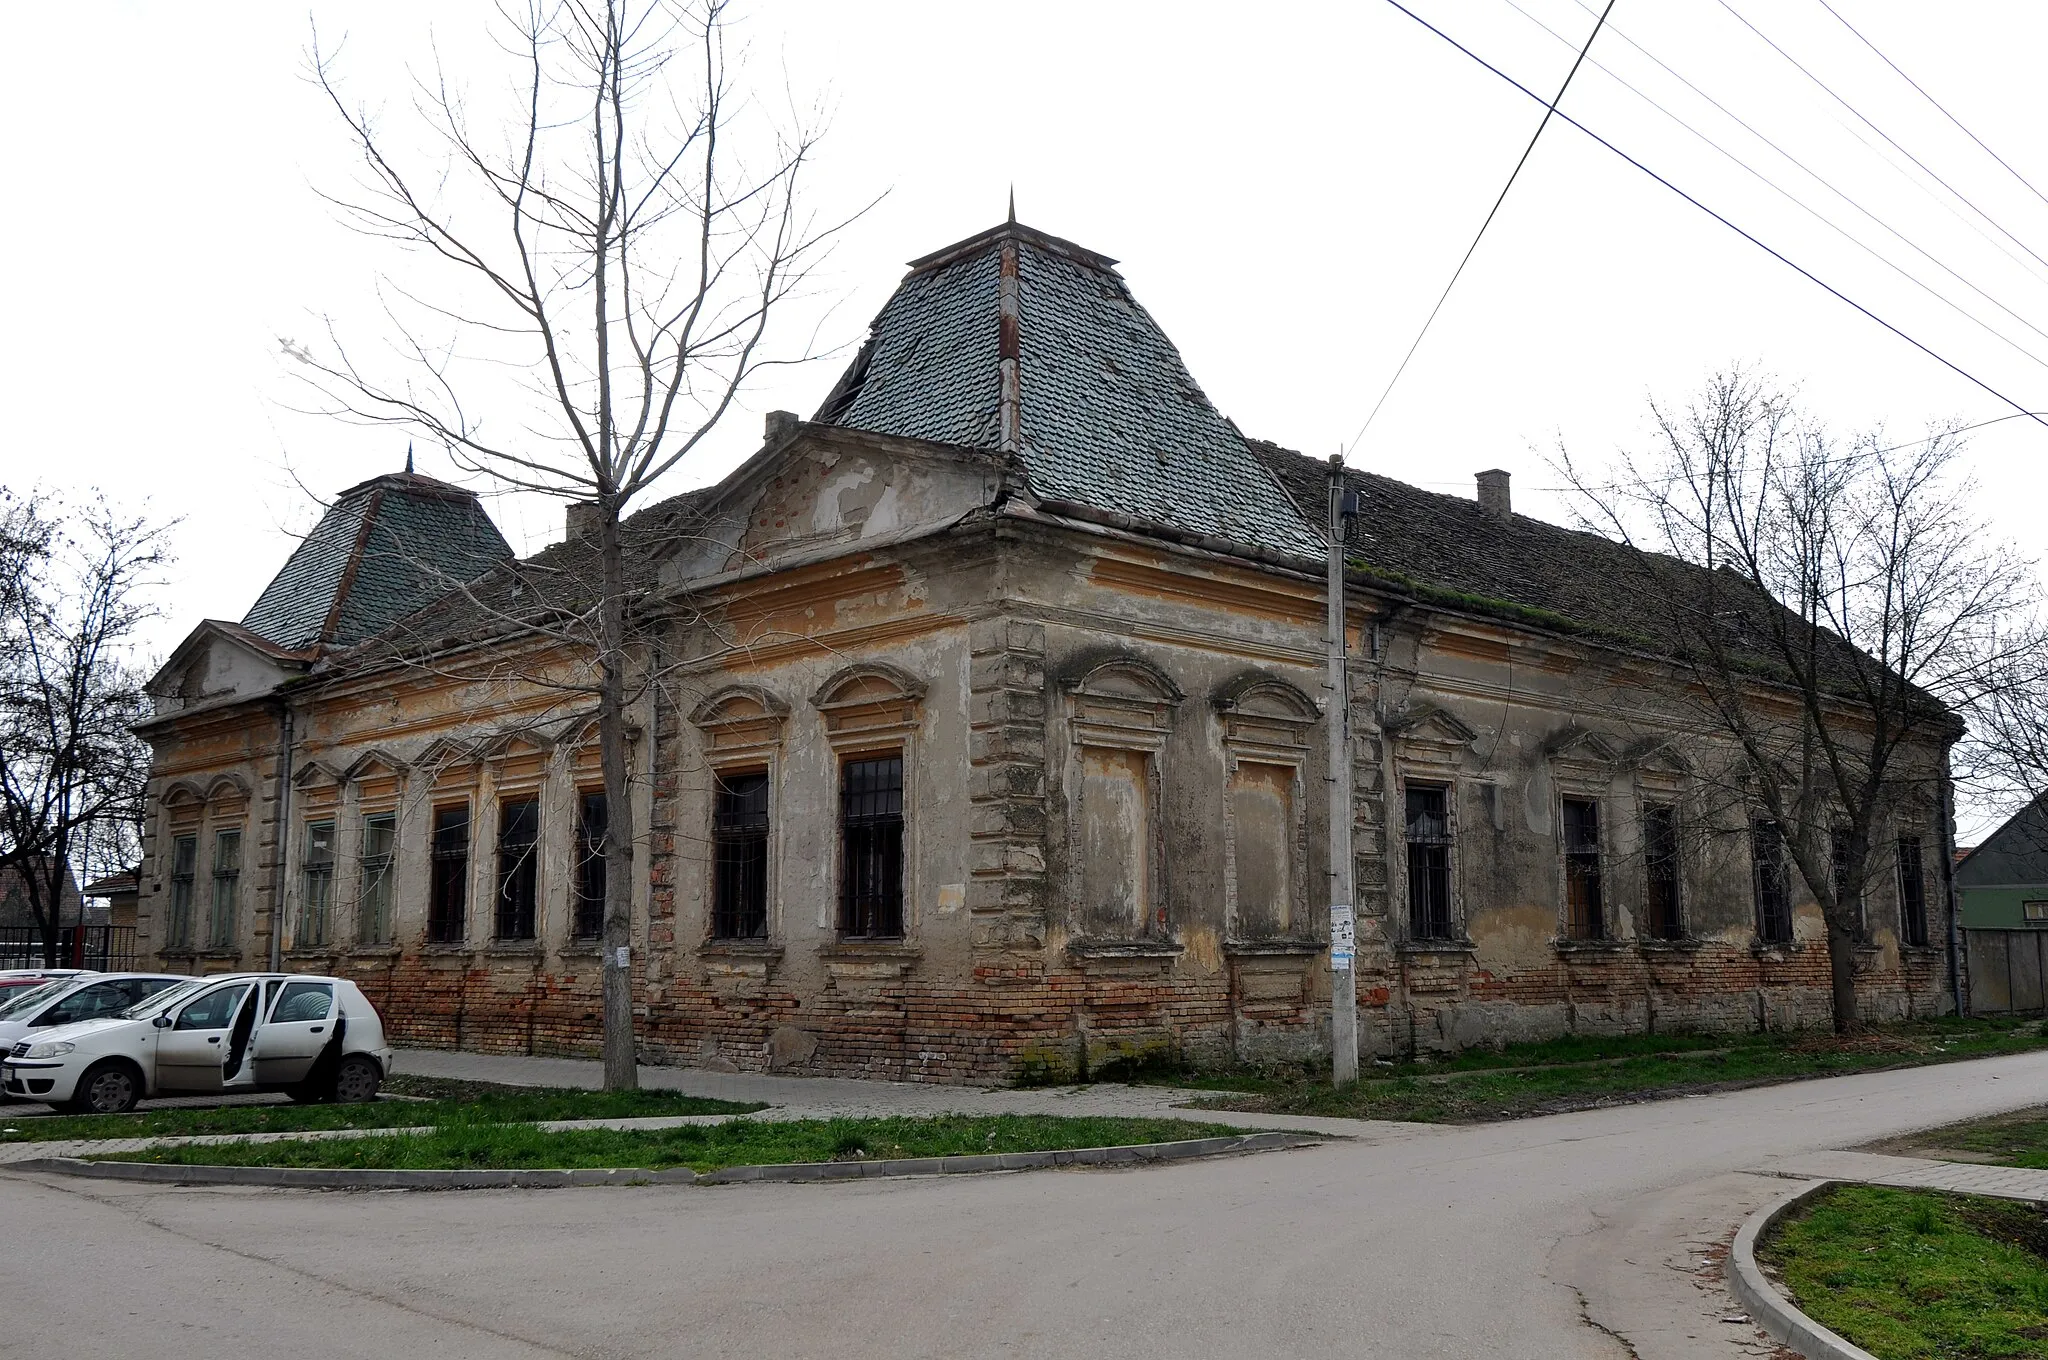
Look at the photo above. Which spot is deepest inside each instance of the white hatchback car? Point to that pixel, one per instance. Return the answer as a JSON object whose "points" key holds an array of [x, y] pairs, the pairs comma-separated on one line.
{"points": [[84, 996], [313, 1038]]}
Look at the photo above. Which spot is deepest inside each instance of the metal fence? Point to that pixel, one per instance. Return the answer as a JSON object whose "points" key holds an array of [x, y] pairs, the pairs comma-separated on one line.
{"points": [[104, 949], [2008, 971]]}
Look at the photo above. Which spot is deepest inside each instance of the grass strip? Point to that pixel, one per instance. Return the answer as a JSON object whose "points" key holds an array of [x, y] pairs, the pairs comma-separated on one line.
{"points": [[744, 1142], [2016, 1139], [1915, 1275], [1532, 1079], [448, 1104]]}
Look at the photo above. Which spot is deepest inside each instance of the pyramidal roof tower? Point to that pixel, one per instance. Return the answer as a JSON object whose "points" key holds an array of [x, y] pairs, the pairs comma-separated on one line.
{"points": [[385, 548], [1020, 342]]}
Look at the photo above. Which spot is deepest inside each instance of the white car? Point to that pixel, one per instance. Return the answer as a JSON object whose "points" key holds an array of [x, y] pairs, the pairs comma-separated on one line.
{"points": [[313, 1038], [84, 996], [15, 981]]}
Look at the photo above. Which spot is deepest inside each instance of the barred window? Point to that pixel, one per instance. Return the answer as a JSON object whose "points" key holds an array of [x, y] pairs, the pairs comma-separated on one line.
{"points": [[518, 868], [1666, 919], [1773, 892], [871, 848], [1912, 892], [184, 869], [227, 889], [739, 838], [448, 888], [1585, 917], [373, 909], [1428, 833], [316, 888], [593, 825]]}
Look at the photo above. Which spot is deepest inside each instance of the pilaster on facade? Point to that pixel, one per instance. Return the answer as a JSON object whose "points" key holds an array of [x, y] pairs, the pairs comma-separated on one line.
{"points": [[1007, 884]]}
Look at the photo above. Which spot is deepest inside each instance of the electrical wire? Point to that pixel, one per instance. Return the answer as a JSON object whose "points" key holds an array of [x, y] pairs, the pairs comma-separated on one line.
{"points": [[1457, 273], [1858, 115], [1932, 100], [1816, 214], [1803, 167], [1805, 273]]}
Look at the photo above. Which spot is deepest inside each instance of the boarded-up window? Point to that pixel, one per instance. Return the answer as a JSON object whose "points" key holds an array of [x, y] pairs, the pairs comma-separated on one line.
{"points": [[1262, 830], [1116, 839]]}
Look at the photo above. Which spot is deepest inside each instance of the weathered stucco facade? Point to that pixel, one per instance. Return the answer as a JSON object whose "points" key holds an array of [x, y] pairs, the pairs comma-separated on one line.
{"points": [[978, 742]]}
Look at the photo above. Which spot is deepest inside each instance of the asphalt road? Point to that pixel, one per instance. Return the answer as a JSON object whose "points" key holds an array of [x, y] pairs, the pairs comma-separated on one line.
{"points": [[1570, 1236]]}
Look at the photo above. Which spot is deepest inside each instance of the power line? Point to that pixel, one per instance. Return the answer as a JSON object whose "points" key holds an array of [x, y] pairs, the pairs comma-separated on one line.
{"points": [[1598, 24], [1800, 165], [1949, 364], [1818, 216], [1858, 115], [1932, 100]]}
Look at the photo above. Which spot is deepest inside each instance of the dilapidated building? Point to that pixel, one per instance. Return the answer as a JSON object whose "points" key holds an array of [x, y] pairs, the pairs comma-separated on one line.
{"points": [[983, 733]]}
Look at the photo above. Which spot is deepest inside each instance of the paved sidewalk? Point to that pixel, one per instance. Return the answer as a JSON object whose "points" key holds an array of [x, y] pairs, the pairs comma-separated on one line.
{"points": [[836, 1097], [1916, 1173]]}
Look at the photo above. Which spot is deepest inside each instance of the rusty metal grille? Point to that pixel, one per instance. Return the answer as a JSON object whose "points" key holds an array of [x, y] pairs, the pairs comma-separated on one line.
{"points": [[448, 886], [1585, 917], [1773, 892], [739, 837], [1660, 866], [518, 868], [1429, 862], [593, 825], [871, 840]]}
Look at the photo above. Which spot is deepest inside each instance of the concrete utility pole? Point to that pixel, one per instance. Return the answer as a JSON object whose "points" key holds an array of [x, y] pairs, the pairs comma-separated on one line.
{"points": [[1343, 921]]}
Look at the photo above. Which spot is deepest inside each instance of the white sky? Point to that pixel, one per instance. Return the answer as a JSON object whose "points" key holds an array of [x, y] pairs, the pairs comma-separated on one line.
{"points": [[1288, 188]]}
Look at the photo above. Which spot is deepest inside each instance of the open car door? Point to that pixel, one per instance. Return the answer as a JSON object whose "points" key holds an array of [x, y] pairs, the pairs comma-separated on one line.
{"points": [[193, 1053], [299, 1025]]}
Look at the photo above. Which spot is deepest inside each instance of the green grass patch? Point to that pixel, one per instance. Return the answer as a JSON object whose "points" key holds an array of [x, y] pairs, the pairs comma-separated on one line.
{"points": [[2016, 1139], [1580, 1073], [1912, 1275], [703, 1147], [447, 1103]]}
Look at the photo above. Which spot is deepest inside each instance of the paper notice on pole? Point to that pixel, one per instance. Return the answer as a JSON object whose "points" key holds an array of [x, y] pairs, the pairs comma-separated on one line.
{"points": [[624, 957], [1343, 935]]}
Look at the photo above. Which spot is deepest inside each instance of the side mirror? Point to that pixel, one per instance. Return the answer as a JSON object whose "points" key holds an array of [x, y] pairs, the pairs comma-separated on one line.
{"points": [[161, 1022]]}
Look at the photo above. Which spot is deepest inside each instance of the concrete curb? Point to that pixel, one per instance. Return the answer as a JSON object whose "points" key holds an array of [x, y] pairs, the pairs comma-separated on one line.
{"points": [[322, 1178], [1772, 1310]]}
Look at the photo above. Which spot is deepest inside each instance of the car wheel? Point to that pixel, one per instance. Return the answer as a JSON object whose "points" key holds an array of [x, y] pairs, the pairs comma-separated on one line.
{"points": [[110, 1088], [357, 1080]]}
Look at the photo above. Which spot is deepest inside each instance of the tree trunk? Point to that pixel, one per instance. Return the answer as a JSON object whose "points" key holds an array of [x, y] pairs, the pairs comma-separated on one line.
{"points": [[621, 1070], [1842, 977]]}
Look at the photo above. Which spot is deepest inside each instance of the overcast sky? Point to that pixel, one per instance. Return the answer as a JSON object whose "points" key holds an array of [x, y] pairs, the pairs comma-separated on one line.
{"points": [[1287, 186]]}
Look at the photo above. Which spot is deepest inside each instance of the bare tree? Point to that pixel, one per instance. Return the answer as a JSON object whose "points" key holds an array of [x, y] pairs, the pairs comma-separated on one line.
{"points": [[1838, 608], [73, 593], [608, 264]]}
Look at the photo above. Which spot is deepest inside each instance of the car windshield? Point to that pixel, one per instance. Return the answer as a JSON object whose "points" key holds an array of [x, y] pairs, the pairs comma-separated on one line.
{"points": [[169, 996], [23, 1002]]}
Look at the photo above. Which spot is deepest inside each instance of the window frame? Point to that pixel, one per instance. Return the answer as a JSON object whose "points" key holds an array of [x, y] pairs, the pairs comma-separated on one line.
{"points": [[732, 842], [224, 906], [588, 882], [873, 827], [1770, 872], [1665, 921], [316, 886], [1838, 856], [1584, 922], [377, 875], [1443, 845], [448, 875], [1914, 932], [184, 888], [515, 905]]}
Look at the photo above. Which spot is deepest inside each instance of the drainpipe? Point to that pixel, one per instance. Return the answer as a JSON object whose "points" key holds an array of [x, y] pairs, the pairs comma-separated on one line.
{"points": [[1947, 802], [283, 825]]}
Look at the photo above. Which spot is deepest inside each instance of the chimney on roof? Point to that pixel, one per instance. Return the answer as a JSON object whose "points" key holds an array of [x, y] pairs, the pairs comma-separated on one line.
{"points": [[582, 519], [1493, 494], [781, 425]]}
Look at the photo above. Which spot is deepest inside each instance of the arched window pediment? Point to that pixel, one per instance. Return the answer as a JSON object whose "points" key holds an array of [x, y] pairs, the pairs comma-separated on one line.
{"points": [[870, 698]]}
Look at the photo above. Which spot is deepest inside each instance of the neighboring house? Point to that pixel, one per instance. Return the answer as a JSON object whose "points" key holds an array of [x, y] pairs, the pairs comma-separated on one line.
{"points": [[117, 894], [16, 915], [986, 735], [2003, 890]]}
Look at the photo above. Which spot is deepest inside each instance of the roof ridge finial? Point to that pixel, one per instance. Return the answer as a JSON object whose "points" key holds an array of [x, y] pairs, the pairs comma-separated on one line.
{"points": [[408, 457], [1013, 204]]}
